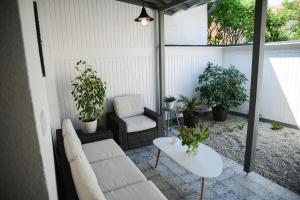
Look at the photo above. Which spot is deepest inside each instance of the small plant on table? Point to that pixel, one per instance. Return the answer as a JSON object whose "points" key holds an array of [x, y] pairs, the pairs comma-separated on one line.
{"points": [[192, 137]]}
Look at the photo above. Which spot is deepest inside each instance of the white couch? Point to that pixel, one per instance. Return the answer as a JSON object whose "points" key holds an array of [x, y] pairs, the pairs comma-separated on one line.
{"points": [[101, 170]]}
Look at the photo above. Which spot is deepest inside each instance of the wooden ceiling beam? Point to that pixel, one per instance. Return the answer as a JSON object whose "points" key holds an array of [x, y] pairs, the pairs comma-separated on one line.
{"points": [[140, 3]]}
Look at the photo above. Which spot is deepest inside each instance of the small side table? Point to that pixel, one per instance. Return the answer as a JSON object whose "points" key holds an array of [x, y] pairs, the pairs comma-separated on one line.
{"points": [[101, 134], [169, 117]]}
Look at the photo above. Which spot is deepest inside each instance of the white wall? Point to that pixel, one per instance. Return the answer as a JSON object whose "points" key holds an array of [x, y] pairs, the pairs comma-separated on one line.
{"points": [[27, 166], [280, 92], [185, 64], [38, 94], [104, 33], [187, 27]]}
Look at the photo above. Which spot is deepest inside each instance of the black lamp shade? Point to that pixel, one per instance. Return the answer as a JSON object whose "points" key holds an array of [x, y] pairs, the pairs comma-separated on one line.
{"points": [[143, 16]]}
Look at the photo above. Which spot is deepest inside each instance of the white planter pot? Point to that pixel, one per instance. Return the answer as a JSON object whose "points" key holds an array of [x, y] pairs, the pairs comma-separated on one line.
{"points": [[89, 127], [170, 105]]}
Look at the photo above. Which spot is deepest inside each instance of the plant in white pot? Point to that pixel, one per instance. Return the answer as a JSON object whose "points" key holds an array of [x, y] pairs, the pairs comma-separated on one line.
{"points": [[89, 93], [169, 102]]}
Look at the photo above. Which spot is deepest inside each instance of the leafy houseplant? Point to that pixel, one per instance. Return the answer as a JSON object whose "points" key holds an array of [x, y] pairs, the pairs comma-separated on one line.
{"points": [[169, 102], [190, 110], [222, 89], [192, 137], [89, 93]]}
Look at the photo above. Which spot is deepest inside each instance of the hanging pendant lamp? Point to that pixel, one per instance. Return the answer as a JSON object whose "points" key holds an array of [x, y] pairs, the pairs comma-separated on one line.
{"points": [[144, 18]]}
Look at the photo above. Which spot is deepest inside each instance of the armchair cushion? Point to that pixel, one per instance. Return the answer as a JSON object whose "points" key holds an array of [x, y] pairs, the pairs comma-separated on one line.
{"points": [[139, 123], [128, 106]]}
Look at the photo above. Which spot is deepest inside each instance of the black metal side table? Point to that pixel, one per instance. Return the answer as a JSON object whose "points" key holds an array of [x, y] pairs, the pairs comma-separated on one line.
{"points": [[169, 117]]}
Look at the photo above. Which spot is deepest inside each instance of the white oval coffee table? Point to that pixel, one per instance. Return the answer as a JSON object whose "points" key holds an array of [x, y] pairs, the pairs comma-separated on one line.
{"points": [[206, 164]]}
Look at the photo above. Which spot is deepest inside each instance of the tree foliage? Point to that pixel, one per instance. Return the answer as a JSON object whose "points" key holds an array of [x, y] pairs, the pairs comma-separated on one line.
{"points": [[231, 22], [292, 9]]}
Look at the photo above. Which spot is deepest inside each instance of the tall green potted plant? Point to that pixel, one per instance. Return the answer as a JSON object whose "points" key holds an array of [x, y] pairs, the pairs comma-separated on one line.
{"points": [[190, 110], [222, 89], [89, 93]]}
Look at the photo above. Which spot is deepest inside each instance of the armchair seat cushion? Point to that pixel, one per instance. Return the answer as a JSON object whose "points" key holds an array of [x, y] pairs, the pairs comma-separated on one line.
{"points": [[102, 150], [139, 123], [116, 173]]}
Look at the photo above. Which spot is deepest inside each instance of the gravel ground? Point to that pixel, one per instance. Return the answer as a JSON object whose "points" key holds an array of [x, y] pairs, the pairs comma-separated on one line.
{"points": [[278, 152]]}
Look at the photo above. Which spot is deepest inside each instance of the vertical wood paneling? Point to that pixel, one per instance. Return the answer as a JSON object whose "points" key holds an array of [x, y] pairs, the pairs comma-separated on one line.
{"points": [[184, 65], [280, 92], [104, 33], [280, 95]]}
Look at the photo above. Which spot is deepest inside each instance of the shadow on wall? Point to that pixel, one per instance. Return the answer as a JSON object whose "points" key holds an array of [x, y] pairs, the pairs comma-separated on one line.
{"points": [[280, 94]]}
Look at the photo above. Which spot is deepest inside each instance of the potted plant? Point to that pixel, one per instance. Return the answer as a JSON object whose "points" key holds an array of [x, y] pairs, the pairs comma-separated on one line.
{"points": [[222, 89], [190, 110], [169, 102], [192, 137], [89, 93]]}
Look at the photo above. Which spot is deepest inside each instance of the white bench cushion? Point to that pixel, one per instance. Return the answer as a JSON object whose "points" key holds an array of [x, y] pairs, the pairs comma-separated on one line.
{"points": [[102, 150], [116, 173], [138, 123], [85, 180], [72, 143], [139, 191], [128, 106]]}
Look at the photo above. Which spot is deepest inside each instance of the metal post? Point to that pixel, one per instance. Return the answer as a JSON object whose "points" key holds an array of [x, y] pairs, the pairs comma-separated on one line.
{"points": [[161, 58], [256, 79]]}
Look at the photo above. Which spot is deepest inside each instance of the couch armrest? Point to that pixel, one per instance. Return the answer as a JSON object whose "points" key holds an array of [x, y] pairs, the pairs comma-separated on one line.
{"points": [[118, 127], [157, 118]]}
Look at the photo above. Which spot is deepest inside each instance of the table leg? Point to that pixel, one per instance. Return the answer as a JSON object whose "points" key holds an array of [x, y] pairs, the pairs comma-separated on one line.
{"points": [[202, 189], [177, 118], [157, 157]]}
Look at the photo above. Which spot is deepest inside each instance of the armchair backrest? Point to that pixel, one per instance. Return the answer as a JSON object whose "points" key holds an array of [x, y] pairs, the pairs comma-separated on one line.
{"points": [[128, 106]]}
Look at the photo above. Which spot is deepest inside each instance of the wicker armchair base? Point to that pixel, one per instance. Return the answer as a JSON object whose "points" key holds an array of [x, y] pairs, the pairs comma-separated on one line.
{"points": [[134, 139]]}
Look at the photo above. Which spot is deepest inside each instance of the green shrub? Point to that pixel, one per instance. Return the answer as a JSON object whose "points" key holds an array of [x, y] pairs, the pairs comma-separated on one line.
{"points": [[222, 87], [276, 126]]}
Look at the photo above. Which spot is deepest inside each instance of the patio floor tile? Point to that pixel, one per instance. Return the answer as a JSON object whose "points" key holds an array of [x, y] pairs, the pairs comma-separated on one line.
{"points": [[177, 183]]}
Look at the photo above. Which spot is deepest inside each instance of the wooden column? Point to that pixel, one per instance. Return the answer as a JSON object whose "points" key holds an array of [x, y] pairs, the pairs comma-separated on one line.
{"points": [[256, 79]]}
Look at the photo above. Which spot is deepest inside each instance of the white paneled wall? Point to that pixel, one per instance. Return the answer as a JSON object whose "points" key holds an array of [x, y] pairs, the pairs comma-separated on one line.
{"points": [[185, 64], [280, 92], [104, 33]]}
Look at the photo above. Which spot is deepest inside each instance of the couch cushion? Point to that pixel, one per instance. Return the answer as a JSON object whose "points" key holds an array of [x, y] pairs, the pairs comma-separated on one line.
{"points": [[128, 106], [72, 146], [116, 173], [139, 123], [102, 150], [85, 180], [139, 191], [67, 127]]}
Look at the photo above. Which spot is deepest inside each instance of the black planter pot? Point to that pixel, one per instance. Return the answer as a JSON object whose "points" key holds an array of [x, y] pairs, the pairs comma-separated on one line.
{"points": [[219, 113], [190, 120]]}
